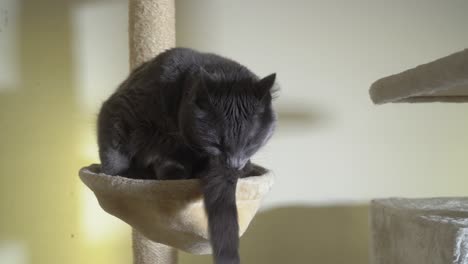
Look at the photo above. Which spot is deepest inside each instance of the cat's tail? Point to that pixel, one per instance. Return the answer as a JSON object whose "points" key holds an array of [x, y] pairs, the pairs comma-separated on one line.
{"points": [[219, 192]]}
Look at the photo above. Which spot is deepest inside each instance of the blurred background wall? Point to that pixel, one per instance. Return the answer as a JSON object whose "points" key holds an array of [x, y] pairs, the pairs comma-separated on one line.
{"points": [[333, 150]]}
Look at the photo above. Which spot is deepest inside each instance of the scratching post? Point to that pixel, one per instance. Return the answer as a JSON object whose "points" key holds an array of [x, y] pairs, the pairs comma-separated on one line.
{"points": [[427, 230], [146, 251], [151, 30]]}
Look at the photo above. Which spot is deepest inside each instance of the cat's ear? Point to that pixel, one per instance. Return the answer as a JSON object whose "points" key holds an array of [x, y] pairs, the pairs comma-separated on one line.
{"points": [[264, 86], [201, 96]]}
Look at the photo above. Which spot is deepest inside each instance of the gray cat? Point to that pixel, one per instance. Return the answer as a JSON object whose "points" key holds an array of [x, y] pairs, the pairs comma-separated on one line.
{"points": [[186, 114]]}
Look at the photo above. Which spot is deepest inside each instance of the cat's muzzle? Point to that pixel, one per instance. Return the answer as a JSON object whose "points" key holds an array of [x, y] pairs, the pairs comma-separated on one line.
{"points": [[236, 163]]}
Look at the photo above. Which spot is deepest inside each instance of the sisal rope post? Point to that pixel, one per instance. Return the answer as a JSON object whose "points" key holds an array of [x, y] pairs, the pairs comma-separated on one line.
{"points": [[146, 251], [151, 31]]}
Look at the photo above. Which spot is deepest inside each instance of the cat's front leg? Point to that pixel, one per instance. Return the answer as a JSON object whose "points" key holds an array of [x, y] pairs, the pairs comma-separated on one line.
{"points": [[113, 162]]}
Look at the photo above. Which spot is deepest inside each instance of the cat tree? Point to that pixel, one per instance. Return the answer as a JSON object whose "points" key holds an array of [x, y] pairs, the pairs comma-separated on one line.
{"points": [[164, 215], [430, 230]]}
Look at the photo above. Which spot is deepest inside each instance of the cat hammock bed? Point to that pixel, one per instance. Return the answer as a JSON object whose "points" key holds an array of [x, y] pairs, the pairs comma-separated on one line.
{"points": [[443, 80], [426, 230], [170, 212], [165, 215]]}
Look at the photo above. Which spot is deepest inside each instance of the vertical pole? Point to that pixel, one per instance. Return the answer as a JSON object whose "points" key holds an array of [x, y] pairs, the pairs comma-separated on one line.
{"points": [[151, 30], [146, 251]]}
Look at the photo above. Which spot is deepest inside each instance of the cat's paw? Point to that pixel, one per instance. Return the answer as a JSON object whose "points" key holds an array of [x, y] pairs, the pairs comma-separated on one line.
{"points": [[253, 170], [171, 171]]}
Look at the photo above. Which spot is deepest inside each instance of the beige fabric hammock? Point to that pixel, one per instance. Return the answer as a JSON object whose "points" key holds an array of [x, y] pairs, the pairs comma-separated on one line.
{"points": [[170, 212]]}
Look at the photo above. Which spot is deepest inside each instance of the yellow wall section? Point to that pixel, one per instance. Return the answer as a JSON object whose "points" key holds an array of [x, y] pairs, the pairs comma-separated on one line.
{"points": [[46, 214]]}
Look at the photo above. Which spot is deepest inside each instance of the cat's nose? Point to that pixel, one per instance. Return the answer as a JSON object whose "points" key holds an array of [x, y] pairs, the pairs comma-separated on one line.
{"points": [[236, 163]]}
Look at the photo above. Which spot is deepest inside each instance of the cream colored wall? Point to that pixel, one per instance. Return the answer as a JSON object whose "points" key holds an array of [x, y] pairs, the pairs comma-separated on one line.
{"points": [[327, 53], [47, 127], [333, 147], [338, 149]]}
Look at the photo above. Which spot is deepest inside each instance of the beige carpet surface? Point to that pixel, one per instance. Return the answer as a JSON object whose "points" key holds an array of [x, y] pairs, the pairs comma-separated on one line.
{"points": [[442, 80], [419, 231]]}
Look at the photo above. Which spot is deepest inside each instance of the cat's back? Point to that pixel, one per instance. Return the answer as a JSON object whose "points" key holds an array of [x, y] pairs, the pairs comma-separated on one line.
{"points": [[169, 69], [181, 61]]}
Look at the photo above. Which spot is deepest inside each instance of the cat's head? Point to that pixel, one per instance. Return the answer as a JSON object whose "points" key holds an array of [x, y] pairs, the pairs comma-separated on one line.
{"points": [[228, 118]]}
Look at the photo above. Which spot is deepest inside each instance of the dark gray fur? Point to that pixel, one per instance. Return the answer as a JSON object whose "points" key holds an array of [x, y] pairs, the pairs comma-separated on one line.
{"points": [[186, 114]]}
